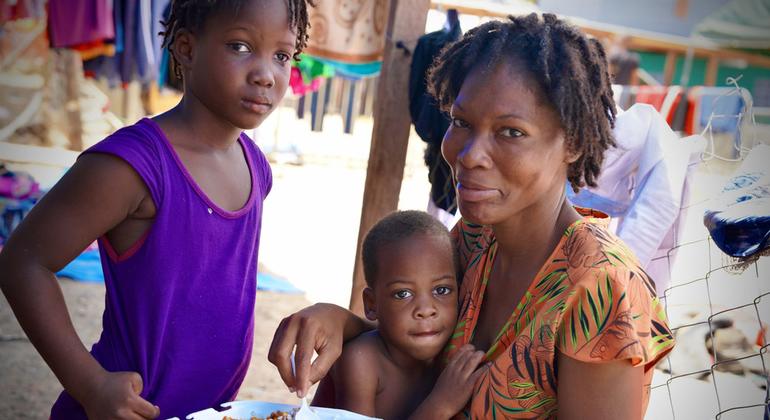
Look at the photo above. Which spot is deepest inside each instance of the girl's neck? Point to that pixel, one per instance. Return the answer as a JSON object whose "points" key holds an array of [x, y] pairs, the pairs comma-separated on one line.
{"points": [[197, 128], [533, 236]]}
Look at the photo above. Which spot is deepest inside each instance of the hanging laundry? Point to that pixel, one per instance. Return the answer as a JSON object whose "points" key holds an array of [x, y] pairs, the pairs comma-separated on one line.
{"points": [[72, 23], [429, 121], [138, 55], [642, 185], [349, 31]]}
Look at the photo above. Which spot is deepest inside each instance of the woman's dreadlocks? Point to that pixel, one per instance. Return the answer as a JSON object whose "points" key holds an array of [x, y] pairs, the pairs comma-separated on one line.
{"points": [[570, 68]]}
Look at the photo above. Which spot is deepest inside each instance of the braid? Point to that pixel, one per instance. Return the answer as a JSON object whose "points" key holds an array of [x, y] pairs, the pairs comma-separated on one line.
{"points": [[570, 68], [192, 14]]}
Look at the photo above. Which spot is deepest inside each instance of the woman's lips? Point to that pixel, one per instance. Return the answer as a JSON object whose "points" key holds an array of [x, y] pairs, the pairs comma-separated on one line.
{"points": [[473, 194]]}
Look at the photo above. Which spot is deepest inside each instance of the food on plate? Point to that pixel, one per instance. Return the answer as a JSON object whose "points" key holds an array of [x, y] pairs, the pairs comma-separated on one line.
{"points": [[275, 415]]}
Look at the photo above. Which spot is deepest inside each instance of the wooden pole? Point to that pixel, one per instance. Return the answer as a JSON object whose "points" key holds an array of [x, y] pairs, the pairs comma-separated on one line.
{"points": [[669, 68], [390, 134], [712, 66]]}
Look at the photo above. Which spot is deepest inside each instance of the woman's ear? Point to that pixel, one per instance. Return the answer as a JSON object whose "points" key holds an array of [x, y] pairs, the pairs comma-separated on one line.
{"points": [[572, 156], [370, 304], [184, 42]]}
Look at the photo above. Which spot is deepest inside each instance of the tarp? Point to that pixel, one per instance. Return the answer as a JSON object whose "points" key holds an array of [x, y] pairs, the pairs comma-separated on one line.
{"points": [[738, 24]]}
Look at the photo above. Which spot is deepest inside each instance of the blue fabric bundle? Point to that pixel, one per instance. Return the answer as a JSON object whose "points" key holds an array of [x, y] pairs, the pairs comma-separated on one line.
{"points": [[739, 222]]}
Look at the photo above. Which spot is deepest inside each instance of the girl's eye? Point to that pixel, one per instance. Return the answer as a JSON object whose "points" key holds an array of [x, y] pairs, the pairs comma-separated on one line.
{"points": [[511, 132], [402, 294], [443, 290], [239, 47], [283, 57], [458, 123]]}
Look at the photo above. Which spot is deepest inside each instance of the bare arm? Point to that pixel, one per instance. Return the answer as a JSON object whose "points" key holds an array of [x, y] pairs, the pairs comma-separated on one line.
{"points": [[356, 378], [322, 328], [98, 192], [607, 390]]}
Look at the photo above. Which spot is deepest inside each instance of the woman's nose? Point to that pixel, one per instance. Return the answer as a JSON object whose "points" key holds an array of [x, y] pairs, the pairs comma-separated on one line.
{"points": [[473, 152]]}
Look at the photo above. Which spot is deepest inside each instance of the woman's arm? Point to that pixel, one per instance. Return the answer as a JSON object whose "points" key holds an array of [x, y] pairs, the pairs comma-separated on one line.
{"points": [[322, 328], [607, 390]]}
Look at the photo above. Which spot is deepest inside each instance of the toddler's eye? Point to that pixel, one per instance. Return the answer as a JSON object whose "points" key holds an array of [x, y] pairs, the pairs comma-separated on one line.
{"points": [[239, 47], [443, 290], [458, 123], [511, 132], [402, 294]]}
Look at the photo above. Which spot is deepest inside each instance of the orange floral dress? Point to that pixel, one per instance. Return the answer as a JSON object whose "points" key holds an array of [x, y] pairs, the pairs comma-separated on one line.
{"points": [[590, 301]]}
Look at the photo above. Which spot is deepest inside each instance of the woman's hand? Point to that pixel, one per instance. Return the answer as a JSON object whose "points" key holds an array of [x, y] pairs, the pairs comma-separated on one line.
{"points": [[322, 328], [454, 387]]}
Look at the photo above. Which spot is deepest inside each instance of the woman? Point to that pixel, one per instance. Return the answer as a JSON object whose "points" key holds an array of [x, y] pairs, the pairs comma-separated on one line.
{"points": [[569, 321]]}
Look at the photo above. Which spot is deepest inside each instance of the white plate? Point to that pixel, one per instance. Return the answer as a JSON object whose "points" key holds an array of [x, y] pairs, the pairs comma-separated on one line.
{"points": [[246, 409]]}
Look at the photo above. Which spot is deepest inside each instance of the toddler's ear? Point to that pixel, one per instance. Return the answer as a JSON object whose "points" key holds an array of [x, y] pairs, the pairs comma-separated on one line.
{"points": [[370, 304]]}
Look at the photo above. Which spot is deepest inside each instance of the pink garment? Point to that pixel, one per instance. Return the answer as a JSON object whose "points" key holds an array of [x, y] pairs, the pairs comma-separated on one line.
{"points": [[298, 86]]}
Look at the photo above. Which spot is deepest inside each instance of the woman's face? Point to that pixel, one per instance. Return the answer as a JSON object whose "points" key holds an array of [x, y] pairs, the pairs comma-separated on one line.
{"points": [[505, 145]]}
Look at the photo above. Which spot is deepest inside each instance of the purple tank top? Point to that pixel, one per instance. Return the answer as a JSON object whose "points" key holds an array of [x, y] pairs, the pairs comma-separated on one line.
{"points": [[180, 303]]}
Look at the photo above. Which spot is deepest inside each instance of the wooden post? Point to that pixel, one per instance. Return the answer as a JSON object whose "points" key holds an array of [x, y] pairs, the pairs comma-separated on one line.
{"points": [[669, 68], [390, 134], [711, 70]]}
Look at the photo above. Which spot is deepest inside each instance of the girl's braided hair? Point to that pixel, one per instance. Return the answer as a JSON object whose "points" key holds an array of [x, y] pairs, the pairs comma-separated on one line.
{"points": [[570, 68], [192, 14]]}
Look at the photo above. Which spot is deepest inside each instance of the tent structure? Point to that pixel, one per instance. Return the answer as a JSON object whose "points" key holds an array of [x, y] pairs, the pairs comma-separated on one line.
{"points": [[743, 24]]}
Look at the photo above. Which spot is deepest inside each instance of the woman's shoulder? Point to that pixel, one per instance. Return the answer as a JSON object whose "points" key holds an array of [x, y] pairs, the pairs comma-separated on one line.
{"points": [[593, 253]]}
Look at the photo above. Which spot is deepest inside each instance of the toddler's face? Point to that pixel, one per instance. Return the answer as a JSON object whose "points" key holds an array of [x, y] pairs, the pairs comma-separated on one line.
{"points": [[415, 296]]}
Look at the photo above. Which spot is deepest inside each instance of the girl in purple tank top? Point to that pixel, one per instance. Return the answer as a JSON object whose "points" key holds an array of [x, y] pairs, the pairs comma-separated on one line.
{"points": [[176, 205]]}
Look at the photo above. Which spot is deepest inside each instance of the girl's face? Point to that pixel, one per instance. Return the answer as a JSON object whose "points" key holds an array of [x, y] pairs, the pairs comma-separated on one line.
{"points": [[505, 145], [238, 65]]}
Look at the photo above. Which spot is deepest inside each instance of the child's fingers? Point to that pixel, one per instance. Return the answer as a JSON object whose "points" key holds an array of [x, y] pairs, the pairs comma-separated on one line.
{"points": [[476, 376], [281, 347], [471, 361], [145, 409]]}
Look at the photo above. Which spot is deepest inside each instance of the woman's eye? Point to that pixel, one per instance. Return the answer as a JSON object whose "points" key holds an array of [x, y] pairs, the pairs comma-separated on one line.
{"points": [[443, 290], [239, 47], [511, 132], [402, 294], [458, 123]]}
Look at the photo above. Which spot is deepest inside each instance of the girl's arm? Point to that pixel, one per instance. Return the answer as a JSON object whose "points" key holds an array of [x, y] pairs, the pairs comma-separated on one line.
{"points": [[322, 328], [98, 193], [607, 390]]}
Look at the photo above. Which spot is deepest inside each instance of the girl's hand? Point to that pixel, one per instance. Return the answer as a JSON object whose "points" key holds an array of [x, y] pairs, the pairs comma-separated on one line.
{"points": [[454, 387], [116, 396], [321, 328]]}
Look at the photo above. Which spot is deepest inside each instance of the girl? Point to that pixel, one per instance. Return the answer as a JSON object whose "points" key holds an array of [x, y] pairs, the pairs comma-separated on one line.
{"points": [[568, 320], [176, 204]]}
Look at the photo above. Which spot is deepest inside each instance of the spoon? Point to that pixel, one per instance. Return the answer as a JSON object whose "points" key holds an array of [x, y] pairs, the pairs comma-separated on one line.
{"points": [[304, 412]]}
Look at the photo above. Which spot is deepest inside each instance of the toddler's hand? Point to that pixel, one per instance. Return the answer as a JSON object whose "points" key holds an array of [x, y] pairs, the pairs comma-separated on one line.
{"points": [[455, 385], [117, 397]]}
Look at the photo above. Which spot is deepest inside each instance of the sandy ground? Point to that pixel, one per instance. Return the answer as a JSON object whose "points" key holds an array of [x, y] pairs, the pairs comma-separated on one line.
{"points": [[309, 235]]}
